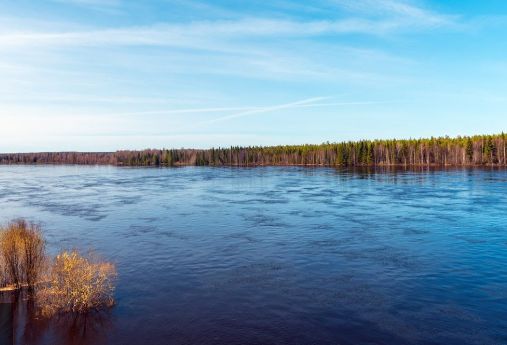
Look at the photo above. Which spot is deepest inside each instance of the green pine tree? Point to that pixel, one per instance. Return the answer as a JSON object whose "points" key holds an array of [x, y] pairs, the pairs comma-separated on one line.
{"points": [[489, 150], [469, 150]]}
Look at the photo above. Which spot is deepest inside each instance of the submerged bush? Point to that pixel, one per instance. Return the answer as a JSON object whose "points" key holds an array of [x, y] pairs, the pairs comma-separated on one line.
{"points": [[23, 254], [70, 282], [77, 284]]}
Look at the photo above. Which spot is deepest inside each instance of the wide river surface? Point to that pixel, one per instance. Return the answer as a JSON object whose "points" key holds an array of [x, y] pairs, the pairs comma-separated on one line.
{"points": [[277, 255]]}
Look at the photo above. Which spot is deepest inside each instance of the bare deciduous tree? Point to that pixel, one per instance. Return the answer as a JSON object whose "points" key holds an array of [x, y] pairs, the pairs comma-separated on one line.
{"points": [[23, 250]]}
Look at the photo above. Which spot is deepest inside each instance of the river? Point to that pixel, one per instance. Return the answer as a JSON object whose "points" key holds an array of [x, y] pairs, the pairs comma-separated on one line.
{"points": [[277, 255]]}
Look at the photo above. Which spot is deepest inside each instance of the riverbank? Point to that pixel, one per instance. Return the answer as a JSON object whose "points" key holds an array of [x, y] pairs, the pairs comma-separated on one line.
{"points": [[475, 150]]}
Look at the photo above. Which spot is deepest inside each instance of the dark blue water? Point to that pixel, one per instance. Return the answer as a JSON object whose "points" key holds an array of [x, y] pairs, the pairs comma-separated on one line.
{"points": [[278, 255]]}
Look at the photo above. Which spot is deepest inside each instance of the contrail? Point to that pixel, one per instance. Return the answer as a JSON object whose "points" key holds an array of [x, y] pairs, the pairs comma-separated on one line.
{"points": [[345, 103], [299, 104], [257, 111], [247, 109], [186, 111]]}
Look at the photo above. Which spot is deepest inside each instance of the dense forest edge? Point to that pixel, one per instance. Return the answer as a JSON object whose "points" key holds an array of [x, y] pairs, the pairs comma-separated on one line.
{"points": [[459, 151]]}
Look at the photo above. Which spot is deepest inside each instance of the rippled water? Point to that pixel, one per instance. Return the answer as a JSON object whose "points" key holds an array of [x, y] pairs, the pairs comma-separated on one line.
{"points": [[283, 255]]}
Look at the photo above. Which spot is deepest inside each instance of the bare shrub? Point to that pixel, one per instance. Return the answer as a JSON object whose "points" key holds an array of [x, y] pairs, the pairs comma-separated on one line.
{"points": [[23, 253], [11, 254], [77, 284], [70, 282], [35, 256]]}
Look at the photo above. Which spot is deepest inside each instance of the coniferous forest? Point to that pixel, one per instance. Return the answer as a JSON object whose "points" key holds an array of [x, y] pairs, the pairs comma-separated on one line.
{"points": [[460, 151]]}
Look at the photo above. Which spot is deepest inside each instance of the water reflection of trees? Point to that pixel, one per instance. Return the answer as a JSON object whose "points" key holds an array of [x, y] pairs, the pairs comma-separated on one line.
{"points": [[90, 328], [396, 174], [32, 328]]}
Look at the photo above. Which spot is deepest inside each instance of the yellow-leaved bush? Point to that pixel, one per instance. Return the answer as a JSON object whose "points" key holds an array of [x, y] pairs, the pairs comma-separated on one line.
{"points": [[77, 284]]}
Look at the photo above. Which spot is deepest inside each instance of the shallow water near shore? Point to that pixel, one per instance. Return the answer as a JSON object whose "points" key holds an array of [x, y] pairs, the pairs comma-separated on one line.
{"points": [[277, 255]]}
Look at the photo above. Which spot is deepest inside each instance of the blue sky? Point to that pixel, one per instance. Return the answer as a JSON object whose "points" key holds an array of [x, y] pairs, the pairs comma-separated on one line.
{"points": [[102, 75]]}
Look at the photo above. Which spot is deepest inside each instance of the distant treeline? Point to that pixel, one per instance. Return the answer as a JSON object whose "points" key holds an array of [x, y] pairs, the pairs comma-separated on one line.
{"points": [[475, 150]]}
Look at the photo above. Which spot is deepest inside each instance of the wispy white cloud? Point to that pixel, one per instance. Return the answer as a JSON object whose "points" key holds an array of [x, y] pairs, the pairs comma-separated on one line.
{"points": [[92, 98], [195, 34], [108, 6], [90, 2], [403, 10], [248, 47]]}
